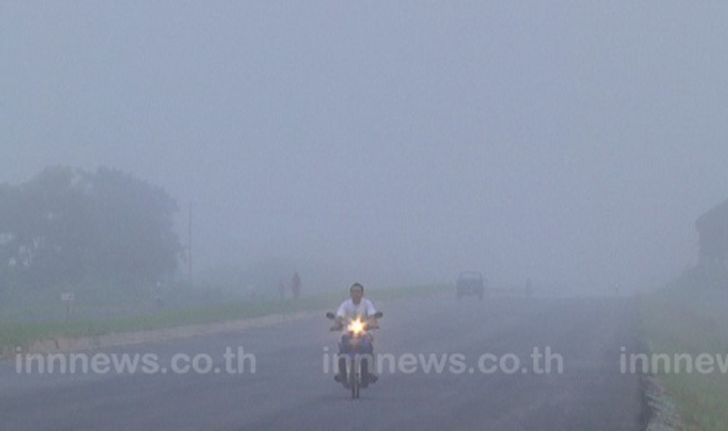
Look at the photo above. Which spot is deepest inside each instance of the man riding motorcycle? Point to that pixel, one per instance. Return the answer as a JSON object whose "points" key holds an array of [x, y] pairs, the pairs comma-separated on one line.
{"points": [[357, 307]]}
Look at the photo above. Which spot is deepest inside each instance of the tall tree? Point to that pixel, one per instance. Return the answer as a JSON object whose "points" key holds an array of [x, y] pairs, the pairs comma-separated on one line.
{"points": [[713, 229], [69, 226]]}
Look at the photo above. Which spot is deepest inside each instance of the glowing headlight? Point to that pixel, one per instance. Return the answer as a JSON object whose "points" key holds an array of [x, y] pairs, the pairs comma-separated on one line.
{"points": [[356, 326]]}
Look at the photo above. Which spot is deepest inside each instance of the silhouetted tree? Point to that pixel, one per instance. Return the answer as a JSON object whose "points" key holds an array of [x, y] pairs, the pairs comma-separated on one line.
{"points": [[713, 229], [68, 226]]}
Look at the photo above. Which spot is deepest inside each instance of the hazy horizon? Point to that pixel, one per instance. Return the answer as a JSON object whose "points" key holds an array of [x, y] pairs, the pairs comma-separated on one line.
{"points": [[403, 142]]}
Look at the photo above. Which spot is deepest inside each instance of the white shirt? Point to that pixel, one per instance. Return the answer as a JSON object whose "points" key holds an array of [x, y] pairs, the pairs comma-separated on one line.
{"points": [[350, 310]]}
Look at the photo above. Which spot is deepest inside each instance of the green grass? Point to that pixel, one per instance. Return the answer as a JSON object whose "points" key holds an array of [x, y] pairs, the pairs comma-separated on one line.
{"points": [[694, 322], [14, 334]]}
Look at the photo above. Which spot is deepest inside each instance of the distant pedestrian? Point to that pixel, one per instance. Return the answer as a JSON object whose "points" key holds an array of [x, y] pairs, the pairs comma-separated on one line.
{"points": [[296, 286]]}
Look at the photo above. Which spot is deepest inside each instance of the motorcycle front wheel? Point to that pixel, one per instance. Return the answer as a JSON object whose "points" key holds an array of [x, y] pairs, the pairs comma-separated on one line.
{"points": [[354, 378]]}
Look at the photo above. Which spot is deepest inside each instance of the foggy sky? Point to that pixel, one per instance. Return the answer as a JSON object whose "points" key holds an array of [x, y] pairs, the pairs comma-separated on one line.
{"points": [[569, 142]]}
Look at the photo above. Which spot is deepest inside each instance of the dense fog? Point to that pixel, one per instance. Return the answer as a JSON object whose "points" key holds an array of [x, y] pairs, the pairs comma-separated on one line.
{"points": [[573, 144]]}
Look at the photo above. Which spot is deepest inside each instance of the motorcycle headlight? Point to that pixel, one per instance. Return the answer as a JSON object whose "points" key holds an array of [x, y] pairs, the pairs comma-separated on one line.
{"points": [[356, 326]]}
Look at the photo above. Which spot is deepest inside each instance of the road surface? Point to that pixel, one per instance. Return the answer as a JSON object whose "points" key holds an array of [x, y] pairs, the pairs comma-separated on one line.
{"points": [[289, 389]]}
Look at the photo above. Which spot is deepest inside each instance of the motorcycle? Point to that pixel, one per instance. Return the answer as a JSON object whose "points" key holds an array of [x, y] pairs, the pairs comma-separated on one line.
{"points": [[355, 351]]}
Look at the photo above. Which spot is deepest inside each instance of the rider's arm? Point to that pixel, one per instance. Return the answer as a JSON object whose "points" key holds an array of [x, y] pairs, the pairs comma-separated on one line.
{"points": [[371, 311], [340, 317]]}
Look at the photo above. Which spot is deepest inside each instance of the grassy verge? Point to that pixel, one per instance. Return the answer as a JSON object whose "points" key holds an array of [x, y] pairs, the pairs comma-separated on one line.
{"points": [[683, 321], [14, 334]]}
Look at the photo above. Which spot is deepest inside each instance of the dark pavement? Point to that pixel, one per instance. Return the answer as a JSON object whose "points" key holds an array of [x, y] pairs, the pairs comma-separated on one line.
{"points": [[290, 391]]}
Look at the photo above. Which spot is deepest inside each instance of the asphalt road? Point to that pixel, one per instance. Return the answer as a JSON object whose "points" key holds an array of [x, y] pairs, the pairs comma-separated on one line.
{"points": [[289, 389]]}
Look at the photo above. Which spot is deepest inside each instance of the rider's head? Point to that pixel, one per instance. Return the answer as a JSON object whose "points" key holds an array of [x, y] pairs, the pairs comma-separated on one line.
{"points": [[357, 292]]}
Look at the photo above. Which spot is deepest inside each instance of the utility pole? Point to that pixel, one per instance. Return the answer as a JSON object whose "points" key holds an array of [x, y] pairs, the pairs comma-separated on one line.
{"points": [[189, 243]]}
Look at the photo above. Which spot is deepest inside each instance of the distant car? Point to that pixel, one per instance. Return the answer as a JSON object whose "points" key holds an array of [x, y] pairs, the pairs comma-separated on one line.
{"points": [[470, 283]]}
